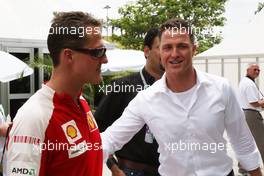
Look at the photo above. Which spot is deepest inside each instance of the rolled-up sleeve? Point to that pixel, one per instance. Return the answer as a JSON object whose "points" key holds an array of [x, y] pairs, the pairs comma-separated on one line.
{"points": [[123, 129], [239, 134]]}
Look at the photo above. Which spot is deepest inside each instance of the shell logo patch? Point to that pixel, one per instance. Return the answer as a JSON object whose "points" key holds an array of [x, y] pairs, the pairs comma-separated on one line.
{"points": [[91, 122], [71, 131]]}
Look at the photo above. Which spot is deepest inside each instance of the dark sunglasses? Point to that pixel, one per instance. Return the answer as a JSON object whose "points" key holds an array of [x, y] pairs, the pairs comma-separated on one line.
{"points": [[95, 52]]}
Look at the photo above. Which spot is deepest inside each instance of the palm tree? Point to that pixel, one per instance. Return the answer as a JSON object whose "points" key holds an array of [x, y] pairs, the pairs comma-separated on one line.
{"points": [[45, 63], [90, 92], [260, 7]]}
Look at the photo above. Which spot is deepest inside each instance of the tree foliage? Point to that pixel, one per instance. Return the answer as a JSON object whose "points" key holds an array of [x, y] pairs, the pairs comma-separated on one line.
{"points": [[260, 7], [136, 19], [90, 92]]}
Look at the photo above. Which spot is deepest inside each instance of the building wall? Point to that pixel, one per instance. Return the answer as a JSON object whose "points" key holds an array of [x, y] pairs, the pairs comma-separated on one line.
{"points": [[233, 69], [14, 93]]}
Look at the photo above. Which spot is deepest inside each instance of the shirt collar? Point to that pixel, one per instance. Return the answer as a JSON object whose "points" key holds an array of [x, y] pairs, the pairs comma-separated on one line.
{"points": [[62, 96], [202, 79], [250, 78]]}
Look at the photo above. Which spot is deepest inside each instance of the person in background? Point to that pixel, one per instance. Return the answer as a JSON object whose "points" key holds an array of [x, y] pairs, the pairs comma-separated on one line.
{"points": [[54, 132], [4, 123], [139, 156], [251, 100], [188, 112], [3, 129]]}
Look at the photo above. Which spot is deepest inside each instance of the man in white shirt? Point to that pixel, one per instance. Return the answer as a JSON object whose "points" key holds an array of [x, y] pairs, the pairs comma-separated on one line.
{"points": [[252, 103], [188, 112]]}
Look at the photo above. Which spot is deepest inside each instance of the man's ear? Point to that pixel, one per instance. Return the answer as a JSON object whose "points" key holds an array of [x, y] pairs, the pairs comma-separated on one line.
{"points": [[146, 51], [66, 56], [67, 53]]}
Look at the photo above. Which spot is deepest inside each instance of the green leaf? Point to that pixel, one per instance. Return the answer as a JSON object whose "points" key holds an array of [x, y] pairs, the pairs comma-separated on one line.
{"points": [[136, 19]]}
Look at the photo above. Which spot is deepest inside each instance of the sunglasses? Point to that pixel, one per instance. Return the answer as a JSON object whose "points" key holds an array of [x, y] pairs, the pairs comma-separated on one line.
{"points": [[95, 52]]}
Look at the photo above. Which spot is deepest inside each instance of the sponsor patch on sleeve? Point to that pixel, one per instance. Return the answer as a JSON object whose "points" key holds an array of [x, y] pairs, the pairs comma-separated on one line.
{"points": [[23, 168], [26, 140], [25, 145]]}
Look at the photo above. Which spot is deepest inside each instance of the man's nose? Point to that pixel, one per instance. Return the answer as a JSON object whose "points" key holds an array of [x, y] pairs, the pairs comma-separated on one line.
{"points": [[175, 52], [103, 60]]}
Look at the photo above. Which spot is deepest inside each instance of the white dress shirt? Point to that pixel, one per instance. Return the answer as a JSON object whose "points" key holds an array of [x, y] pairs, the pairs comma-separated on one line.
{"points": [[213, 109], [248, 93]]}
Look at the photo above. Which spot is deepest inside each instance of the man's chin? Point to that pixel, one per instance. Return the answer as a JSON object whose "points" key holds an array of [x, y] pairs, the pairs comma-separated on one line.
{"points": [[97, 80]]}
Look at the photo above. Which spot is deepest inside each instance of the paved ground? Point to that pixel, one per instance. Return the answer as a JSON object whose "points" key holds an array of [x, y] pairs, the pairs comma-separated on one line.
{"points": [[106, 171]]}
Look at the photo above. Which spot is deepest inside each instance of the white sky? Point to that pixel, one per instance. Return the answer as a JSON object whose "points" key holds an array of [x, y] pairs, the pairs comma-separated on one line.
{"points": [[238, 12]]}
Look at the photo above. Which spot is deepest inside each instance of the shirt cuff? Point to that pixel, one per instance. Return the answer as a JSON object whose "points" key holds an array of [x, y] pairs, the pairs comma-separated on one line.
{"points": [[251, 161]]}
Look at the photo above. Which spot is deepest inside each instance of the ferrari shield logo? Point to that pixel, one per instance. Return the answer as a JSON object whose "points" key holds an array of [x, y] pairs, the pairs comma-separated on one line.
{"points": [[91, 122]]}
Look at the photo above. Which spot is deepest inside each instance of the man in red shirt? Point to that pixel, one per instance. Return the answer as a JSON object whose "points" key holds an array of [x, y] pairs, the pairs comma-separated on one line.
{"points": [[54, 132]]}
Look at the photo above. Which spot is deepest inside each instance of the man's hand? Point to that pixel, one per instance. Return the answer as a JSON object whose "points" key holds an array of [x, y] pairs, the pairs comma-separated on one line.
{"points": [[113, 166], [116, 171], [3, 128], [256, 172], [261, 103]]}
